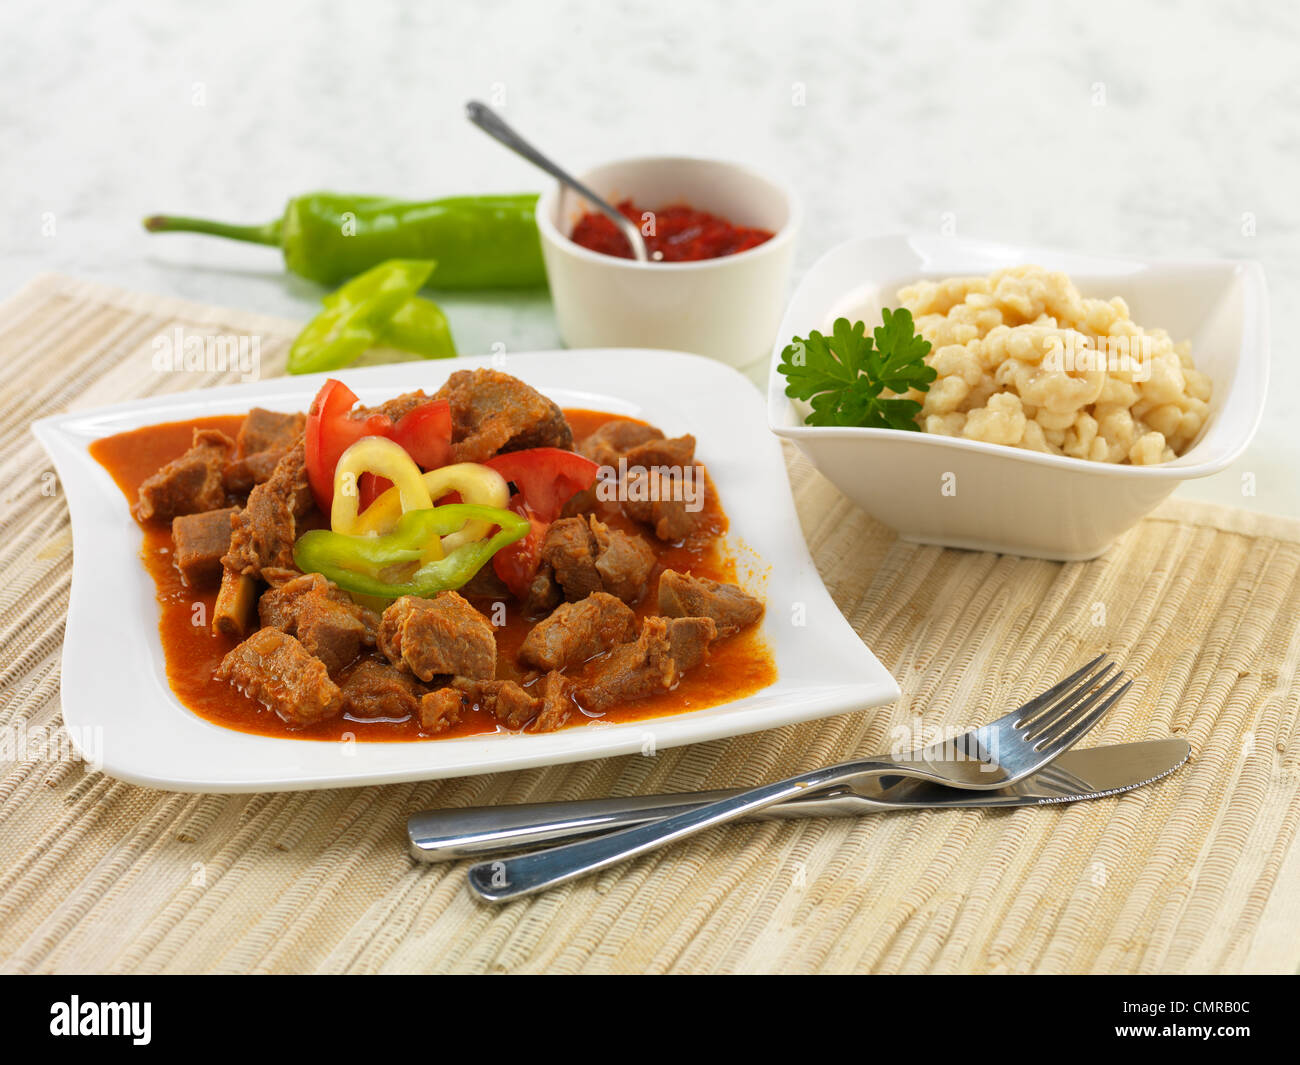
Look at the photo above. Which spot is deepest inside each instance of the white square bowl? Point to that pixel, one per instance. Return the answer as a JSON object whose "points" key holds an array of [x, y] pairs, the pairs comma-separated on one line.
{"points": [[1008, 499], [120, 710]]}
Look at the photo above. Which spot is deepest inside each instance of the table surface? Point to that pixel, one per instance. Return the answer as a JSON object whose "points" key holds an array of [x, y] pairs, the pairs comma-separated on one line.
{"points": [[1193, 873], [1100, 126]]}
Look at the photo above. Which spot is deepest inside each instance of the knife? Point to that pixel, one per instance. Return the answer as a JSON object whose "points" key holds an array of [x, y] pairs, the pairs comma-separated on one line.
{"points": [[474, 831]]}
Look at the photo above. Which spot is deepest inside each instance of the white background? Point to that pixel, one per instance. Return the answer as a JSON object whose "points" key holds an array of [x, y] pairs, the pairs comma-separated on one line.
{"points": [[1149, 130]]}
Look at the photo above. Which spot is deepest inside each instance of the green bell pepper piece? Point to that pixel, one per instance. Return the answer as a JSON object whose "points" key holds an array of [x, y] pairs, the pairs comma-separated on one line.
{"points": [[478, 241], [357, 315], [358, 563]]}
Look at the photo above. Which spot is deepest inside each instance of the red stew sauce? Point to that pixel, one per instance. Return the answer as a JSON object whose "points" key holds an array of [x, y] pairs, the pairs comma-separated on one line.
{"points": [[737, 666], [681, 234]]}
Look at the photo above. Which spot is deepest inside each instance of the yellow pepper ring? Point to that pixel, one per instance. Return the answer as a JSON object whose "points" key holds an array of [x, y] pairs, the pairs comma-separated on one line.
{"points": [[476, 483], [384, 458]]}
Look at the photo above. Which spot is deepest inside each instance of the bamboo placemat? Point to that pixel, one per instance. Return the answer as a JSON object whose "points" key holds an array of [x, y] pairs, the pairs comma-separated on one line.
{"points": [[1196, 873]]}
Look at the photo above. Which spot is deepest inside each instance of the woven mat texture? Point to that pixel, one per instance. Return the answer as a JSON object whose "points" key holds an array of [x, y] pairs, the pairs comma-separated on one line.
{"points": [[1199, 872]]}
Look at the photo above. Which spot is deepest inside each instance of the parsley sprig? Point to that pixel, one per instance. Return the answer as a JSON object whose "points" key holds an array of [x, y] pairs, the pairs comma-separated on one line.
{"points": [[844, 375]]}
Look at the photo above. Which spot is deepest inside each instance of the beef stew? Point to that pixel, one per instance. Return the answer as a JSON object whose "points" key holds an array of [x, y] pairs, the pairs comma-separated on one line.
{"points": [[625, 613]]}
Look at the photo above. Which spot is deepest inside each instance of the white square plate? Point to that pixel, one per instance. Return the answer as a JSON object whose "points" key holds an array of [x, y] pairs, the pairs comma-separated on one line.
{"points": [[114, 686]]}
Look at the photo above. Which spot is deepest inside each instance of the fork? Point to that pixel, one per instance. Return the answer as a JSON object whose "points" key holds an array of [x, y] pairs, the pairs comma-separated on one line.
{"points": [[993, 756]]}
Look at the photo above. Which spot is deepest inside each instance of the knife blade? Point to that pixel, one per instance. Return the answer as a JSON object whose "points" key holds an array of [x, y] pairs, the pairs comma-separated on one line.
{"points": [[1094, 773]]}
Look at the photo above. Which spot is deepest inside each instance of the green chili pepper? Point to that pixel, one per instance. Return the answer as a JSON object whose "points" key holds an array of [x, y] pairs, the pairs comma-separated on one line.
{"points": [[361, 563], [478, 241], [375, 308]]}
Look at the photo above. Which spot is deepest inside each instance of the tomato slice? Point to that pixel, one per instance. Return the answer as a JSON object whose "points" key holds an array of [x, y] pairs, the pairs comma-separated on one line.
{"points": [[424, 432], [547, 478], [330, 432], [516, 564]]}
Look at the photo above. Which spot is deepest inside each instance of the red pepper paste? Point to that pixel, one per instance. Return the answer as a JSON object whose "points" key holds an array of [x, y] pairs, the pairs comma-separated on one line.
{"points": [[681, 234]]}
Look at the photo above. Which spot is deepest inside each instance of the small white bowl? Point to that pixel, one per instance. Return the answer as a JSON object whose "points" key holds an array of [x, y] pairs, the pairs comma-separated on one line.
{"points": [[964, 493], [725, 308]]}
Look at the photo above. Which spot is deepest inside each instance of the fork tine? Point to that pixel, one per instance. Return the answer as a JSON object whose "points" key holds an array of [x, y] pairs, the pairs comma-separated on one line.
{"points": [[1064, 708], [1039, 701], [1088, 714]]}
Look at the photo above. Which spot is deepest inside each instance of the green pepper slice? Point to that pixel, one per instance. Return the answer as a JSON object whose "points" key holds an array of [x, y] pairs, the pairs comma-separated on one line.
{"points": [[420, 327], [358, 563], [355, 316]]}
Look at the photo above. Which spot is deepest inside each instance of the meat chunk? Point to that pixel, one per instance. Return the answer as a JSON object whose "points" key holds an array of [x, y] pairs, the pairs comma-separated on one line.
{"points": [[374, 689], [623, 562], [485, 584], [616, 438], [581, 503], [677, 453], [632, 670], [263, 532], [682, 596], [264, 438], [569, 551], [493, 412], [323, 617], [275, 576], [578, 631], [665, 649], [543, 592], [396, 408], [190, 484], [286, 601], [503, 699], [654, 472], [330, 633], [281, 605], [583, 555], [275, 669], [662, 486], [269, 430], [669, 502], [444, 635], [441, 709], [199, 541], [242, 474], [557, 703], [689, 639], [288, 480]]}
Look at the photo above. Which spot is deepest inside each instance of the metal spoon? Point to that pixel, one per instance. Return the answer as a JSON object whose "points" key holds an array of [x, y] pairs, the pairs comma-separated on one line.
{"points": [[492, 124]]}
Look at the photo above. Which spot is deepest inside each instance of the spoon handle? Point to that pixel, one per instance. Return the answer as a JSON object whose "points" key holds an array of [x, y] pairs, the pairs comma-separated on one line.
{"points": [[495, 127]]}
